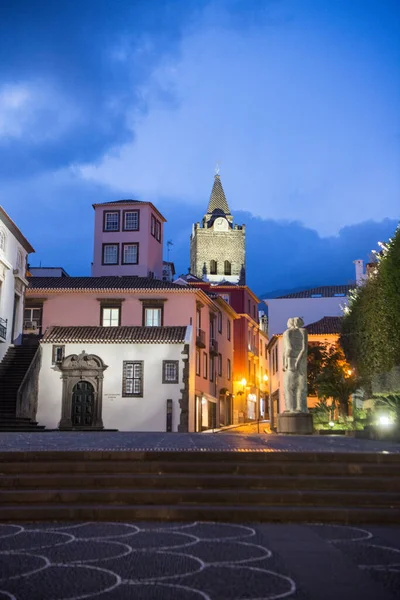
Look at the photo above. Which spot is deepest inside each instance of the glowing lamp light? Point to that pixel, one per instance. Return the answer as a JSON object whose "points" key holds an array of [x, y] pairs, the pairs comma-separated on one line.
{"points": [[384, 420], [349, 371], [203, 400], [243, 382], [265, 377], [331, 423]]}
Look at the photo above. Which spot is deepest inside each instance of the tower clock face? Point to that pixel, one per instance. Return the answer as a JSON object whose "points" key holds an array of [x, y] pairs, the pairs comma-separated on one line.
{"points": [[221, 224]]}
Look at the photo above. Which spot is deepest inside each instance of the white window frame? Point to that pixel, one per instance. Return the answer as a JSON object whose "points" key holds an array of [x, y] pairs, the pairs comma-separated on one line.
{"points": [[136, 225], [153, 316], [114, 213], [110, 316], [125, 247], [105, 248]]}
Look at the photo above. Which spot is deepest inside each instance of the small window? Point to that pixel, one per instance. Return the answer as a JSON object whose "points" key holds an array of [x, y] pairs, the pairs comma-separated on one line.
{"points": [[170, 371], [338, 295], [225, 297], [32, 318], [131, 220], [132, 379], [158, 230], [57, 354], [249, 307], [212, 374], [228, 329], [153, 226], [111, 221], [219, 365], [2, 240], [316, 295], [227, 268], [261, 349], [153, 316], [205, 365], [228, 369], [197, 362], [110, 316], [220, 322], [130, 253], [110, 254], [213, 267]]}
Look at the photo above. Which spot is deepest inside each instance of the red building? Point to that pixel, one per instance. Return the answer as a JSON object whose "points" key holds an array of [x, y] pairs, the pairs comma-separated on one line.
{"points": [[250, 359]]}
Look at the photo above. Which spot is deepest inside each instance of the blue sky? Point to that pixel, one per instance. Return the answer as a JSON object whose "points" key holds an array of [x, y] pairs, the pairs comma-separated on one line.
{"points": [[298, 100]]}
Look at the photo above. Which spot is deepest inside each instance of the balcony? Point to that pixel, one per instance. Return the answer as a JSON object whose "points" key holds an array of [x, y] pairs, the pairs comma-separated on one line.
{"points": [[3, 330], [213, 347], [200, 338], [252, 349]]}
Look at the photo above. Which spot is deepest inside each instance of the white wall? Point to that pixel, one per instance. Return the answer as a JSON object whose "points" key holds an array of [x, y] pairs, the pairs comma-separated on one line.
{"points": [[126, 414], [9, 282], [309, 309]]}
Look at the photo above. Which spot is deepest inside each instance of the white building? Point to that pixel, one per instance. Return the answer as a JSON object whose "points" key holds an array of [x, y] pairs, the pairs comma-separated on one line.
{"points": [[311, 305], [14, 249], [126, 378]]}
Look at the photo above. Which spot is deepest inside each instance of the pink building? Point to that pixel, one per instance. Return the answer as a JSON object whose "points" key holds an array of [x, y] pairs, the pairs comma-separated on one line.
{"points": [[128, 239], [117, 302]]}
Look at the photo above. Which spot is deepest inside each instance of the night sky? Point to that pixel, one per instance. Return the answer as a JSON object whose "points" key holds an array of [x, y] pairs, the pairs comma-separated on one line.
{"points": [[297, 100]]}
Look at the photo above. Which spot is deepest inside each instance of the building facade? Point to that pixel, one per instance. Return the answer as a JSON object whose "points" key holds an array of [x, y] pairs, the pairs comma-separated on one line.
{"points": [[250, 340], [121, 302], [128, 239], [217, 245], [125, 378], [14, 250]]}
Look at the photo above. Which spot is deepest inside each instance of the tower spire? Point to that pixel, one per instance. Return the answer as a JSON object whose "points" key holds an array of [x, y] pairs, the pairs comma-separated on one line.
{"points": [[218, 203]]}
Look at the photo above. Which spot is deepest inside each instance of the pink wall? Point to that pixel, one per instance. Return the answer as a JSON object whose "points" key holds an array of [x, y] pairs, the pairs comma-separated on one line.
{"points": [[150, 249]]}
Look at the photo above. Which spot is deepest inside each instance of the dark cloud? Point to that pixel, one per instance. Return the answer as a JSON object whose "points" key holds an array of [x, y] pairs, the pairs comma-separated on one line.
{"points": [[280, 255], [93, 55]]}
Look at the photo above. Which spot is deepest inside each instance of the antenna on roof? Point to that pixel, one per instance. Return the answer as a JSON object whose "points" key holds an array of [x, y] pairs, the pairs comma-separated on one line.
{"points": [[216, 171]]}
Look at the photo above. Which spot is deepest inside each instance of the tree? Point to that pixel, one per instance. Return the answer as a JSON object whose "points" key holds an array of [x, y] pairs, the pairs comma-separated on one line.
{"points": [[315, 358], [336, 379], [371, 324]]}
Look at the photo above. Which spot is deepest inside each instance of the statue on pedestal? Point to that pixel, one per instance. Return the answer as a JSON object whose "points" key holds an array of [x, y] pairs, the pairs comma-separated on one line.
{"points": [[295, 344]]}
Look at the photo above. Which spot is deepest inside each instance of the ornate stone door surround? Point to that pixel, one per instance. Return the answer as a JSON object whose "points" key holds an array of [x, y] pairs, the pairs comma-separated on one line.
{"points": [[74, 368]]}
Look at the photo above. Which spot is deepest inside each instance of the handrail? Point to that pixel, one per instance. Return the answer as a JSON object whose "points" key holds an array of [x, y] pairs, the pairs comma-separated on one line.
{"points": [[19, 411]]}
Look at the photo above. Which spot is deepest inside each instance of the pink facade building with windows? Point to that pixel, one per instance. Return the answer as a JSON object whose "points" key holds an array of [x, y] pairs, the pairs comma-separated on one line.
{"points": [[117, 302], [128, 239]]}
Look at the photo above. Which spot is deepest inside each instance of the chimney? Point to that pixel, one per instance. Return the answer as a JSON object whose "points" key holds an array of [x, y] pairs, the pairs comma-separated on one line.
{"points": [[360, 277]]}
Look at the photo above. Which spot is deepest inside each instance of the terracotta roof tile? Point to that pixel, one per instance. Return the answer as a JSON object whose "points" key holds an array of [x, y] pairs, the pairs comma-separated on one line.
{"points": [[326, 325], [101, 283], [115, 335], [325, 291]]}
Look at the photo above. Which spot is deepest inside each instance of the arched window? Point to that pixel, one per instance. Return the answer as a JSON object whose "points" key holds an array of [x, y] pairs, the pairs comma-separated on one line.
{"points": [[227, 268], [2, 240], [213, 267]]}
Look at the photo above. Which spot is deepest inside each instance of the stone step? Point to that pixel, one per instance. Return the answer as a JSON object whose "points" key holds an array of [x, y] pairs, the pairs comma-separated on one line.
{"points": [[228, 513], [223, 467], [202, 497], [196, 481], [199, 456]]}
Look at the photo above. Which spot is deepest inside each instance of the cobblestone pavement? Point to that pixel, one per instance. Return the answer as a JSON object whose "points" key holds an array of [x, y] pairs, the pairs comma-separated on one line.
{"points": [[209, 561], [262, 442]]}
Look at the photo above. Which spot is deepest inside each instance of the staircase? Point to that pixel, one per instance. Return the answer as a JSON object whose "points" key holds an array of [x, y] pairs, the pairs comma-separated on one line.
{"points": [[346, 488], [13, 368]]}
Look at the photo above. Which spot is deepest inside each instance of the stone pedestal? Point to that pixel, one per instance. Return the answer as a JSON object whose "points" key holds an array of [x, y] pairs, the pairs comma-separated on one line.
{"points": [[295, 423]]}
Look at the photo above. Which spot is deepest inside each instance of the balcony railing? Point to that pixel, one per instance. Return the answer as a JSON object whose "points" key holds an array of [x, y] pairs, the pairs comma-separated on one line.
{"points": [[252, 349], [213, 347], [3, 330], [200, 338]]}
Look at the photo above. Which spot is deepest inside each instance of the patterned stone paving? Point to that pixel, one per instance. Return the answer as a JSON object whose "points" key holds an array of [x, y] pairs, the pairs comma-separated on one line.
{"points": [[230, 442], [209, 561]]}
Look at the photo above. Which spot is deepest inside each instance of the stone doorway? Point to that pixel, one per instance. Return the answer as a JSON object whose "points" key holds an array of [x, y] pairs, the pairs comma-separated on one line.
{"points": [[82, 394], [82, 404]]}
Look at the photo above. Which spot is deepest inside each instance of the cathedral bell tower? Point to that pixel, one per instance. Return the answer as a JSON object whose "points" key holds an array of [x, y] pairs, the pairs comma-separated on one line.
{"points": [[217, 246]]}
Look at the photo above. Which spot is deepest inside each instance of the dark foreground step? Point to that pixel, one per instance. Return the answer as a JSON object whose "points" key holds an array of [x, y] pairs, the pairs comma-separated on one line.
{"points": [[196, 481], [227, 514], [212, 467], [180, 497]]}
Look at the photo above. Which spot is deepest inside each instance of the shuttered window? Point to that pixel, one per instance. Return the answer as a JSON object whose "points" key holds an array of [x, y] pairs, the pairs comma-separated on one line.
{"points": [[132, 379]]}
